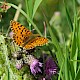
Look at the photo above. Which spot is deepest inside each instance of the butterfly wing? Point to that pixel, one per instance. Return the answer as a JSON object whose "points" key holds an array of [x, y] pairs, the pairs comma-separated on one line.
{"points": [[18, 39], [17, 28], [21, 34], [38, 41]]}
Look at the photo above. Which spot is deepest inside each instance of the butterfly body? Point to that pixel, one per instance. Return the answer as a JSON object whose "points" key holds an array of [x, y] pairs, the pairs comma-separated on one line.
{"points": [[25, 38]]}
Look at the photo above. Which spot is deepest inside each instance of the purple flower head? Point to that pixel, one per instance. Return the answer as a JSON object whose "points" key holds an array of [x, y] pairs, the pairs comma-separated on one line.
{"points": [[50, 67], [34, 64], [42, 78], [19, 64]]}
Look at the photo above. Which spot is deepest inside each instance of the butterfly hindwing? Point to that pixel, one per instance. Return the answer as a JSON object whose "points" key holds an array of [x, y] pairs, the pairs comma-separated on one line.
{"points": [[38, 41]]}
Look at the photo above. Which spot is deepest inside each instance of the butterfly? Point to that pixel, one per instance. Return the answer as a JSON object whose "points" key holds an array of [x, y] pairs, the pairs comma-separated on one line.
{"points": [[24, 37]]}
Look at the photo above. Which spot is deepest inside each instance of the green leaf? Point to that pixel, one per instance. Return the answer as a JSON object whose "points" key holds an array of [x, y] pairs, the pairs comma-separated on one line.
{"points": [[73, 46], [60, 72], [36, 5], [66, 69], [78, 74], [29, 7], [75, 62], [68, 17], [71, 70]]}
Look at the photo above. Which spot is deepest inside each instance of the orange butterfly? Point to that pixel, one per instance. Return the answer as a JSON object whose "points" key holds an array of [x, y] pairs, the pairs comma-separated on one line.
{"points": [[25, 38]]}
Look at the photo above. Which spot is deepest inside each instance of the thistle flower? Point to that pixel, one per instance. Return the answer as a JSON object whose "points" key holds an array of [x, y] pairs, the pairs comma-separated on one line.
{"points": [[19, 64], [11, 35], [42, 78], [33, 63], [50, 68]]}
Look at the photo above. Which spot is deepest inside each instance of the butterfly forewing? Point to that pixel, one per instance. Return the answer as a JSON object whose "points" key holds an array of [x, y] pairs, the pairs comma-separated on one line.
{"points": [[18, 28]]}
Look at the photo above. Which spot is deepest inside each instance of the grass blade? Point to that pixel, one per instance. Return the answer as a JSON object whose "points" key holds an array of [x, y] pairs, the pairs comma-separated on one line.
{"points": [[59, 54], [36, 5], [78, 74], [29, 7], [68, 17]]}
